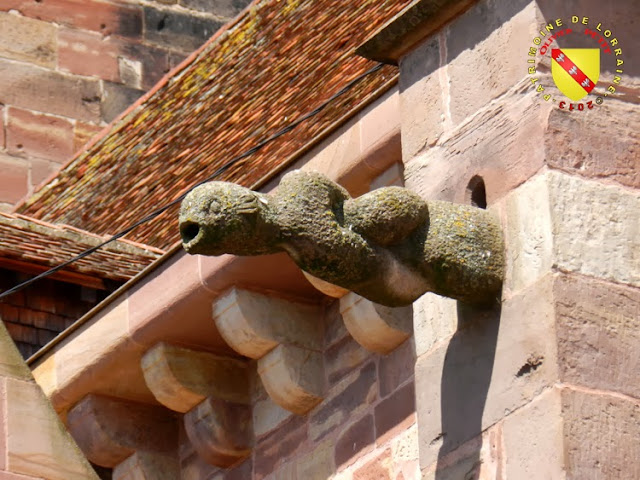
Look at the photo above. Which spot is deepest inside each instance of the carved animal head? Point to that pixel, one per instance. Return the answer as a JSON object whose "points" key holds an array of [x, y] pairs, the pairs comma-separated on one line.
{"points": [[220, 217]]}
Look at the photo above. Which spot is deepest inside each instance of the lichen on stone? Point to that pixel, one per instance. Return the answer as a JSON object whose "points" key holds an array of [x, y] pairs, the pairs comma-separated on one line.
{"points": [[389, 245]]}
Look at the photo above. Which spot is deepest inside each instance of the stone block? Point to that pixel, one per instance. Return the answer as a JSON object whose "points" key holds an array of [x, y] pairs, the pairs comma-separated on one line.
{"points": [[601, 435], [147, 466], [253, 324], [422, 99], [533, 439], [27, 40], [88, 53], [41, 170], [316, 464], [2, 136], [606, 148], [117, 98], [435, 319], [343, 358], [395, 413], [396, 368], [224, 8], [355, 440], [37, 443], [502, 145], [108, 430], [495, 363], [82, 133], [106, 18], [177, 30], [181, 378], [280, 446], [220, 431], [528, 235], [267, 416], [293, 377], [476, 73], [34, 88], [14, 182], [11, 362], [378, 468], [598, 330], [353, 395], [404, 452], [595, 228], [39, 135], [154, 63], [377, 328]]}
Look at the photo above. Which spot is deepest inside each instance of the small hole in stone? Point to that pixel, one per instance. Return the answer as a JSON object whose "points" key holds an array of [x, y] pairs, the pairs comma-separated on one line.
{"points": [[476, 192], [161, 24], [189, 231], [103, 26], [19, 145]]}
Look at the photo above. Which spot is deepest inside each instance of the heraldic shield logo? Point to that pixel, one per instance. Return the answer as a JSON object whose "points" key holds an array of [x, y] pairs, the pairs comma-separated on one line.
{"points": [[575, 70]]}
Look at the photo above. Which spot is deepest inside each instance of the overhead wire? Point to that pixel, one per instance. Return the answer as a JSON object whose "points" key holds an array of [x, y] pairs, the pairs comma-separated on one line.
{"points": [[260, 145]]}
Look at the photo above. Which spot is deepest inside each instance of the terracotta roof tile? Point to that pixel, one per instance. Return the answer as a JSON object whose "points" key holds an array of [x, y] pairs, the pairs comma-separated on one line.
{"points": [[40, 243], [278, 61]]}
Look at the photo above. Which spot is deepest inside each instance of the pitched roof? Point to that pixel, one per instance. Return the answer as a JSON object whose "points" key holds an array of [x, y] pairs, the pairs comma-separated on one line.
{"points": [[26, 240], [277, 61]]}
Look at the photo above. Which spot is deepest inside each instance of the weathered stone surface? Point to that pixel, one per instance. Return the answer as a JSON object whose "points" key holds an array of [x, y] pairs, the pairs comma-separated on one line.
{"points": [[27, 40], [280, 446], [147, 466], [596, 228], [44, 136], [606, 148], [377, 328], [318, 463], [388, 245], [88, 53], [116, 99], [267, 416], [109, 430], [528, 234], [253, 324], [391, 413], [356, 439], [14, 182], [435, 319], [177, 30], [404, 451], [343, 358], [220, 431], [378, 468], [496, 362], [224, 8], [352, 396], [181, 378], [500, 144], [533, 439], [601, 435], [293, 377], [37, 444], [396, 368], [11, 363], [422, 99], [471, 41], [27, 86], [598, 329]]}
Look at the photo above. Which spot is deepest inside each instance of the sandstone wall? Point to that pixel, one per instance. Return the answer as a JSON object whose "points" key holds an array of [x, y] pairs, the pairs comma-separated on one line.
{"points": [[536, 388], [69, 67]]}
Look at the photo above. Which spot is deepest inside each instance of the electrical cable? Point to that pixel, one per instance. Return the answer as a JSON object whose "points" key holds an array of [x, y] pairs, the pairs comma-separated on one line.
{"points": [[211, 177]]}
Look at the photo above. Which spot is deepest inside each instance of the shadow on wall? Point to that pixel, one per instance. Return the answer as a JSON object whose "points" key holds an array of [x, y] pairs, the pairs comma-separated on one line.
{"points": [[466, 377], [467, 32]]}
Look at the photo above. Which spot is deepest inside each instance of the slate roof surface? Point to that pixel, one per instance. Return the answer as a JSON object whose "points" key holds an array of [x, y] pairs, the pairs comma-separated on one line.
{"points": [[277, 61], [48, 245]]}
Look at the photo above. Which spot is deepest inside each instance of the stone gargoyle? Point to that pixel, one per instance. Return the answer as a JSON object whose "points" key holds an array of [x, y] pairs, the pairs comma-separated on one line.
{"points": [[389, 245]]}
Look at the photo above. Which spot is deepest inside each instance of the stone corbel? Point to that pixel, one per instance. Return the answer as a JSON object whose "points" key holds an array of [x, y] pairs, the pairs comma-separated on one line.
{"points": [[109, 430], [147, 466], [286, 339], [220, 431], [377, 328], [181, 378]]}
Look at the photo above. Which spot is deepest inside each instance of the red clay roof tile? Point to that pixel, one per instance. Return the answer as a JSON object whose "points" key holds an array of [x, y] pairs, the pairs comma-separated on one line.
{"points": [[278, 61]]}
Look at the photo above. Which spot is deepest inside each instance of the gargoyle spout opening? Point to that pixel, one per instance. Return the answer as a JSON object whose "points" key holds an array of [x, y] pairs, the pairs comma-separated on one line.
{"points": [[189, 231]]}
